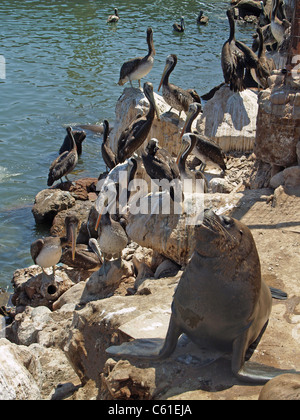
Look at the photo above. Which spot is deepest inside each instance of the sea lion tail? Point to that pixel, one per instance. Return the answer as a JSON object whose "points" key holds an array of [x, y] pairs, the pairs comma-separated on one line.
{"points": [[278, 294]]}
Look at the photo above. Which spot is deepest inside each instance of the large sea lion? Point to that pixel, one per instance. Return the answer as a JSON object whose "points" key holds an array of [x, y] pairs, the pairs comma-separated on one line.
{"points": [[221, 302]]}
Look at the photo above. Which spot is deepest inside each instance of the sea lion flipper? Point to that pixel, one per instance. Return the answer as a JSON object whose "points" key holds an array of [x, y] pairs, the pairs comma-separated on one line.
{"points": [[278, 294]]}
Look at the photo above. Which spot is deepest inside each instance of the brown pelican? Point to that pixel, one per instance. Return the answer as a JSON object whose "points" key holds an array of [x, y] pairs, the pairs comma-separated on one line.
{"points": [[263, 17], [186, 148], [47, 252], [112, 238], [137, 68], [175, 96], [113, 18], [278, 27], [136, 133], [269, 40], [67, 145], [192, 114], [108, 155], [205, 150], [202, 20], [265, 66], [64, 164], [236, 56], [159, 164], [179, 27]]}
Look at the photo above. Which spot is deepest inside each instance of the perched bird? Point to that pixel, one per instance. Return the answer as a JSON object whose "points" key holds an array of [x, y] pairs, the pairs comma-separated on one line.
{"points": [[112, 238], [64, 164], [269, 40], [47, 252], [278, 27], [137, 68], [265, 66], [67, 145], [263, 18], [205, 150], [193, 112], [136, 133], [159, 164], [186, 148], [201, 19], [113, 18], [236, 57], [179, 27], [108, 155], [175, 96]]}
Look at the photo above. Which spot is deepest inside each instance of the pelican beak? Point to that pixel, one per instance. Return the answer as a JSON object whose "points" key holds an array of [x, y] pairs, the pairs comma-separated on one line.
{"points": [[73, 240], [98, 221], [180, 153], [163, 76]]}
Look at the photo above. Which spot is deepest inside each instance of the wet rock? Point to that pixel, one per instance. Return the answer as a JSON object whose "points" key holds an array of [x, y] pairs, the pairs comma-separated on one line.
{"points": [[50, 202], [229, 119], [284, 388]]}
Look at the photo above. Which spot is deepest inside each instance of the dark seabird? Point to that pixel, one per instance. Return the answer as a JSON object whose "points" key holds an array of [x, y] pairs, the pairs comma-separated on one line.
{"points": [[201, 19], [193, 112], [265, 66], [108, 155], [175, 96], [278, 27], [236, 57], [205, 150], [159, 164], [113, 18], [47, 252], [137, 68], [179, 27], [67, 145], [136, 133], [64, 164]]}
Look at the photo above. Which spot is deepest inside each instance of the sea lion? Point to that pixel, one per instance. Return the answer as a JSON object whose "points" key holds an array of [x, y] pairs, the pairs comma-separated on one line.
{"points": [[221, 302]]}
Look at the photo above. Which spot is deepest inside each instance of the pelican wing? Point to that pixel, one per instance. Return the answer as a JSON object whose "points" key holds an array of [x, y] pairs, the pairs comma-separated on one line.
{"points": [[36, 248]]}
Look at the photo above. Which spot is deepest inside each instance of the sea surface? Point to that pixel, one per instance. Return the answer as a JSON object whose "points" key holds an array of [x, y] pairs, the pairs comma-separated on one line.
{"points": [[62, 63]]}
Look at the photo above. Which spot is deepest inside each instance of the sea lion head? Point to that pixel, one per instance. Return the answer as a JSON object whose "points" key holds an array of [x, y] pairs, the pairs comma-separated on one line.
{"points": [[220, 235]]}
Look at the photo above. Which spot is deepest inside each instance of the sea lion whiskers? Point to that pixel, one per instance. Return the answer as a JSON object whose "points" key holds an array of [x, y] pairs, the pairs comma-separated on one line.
{"points": [[214, 224]]}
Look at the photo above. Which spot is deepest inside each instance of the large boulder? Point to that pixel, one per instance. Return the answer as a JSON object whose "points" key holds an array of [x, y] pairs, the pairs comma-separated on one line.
{"points": [[229, 119], [50, 202]]}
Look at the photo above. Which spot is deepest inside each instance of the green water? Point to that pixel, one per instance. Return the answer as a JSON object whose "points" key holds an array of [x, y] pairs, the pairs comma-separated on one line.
{"points": [[62, 67]]}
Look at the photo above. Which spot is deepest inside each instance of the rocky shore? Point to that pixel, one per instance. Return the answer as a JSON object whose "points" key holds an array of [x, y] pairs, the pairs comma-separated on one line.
{"points": [[55, 342]]}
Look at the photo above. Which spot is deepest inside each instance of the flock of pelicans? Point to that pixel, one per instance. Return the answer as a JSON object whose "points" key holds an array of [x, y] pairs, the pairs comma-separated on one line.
{"points": [[237, 59]]}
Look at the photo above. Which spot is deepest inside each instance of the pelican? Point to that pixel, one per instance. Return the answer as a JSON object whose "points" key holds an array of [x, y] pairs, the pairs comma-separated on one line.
{"points": [[136, 133], [263, 17], [269, 40], [47, 252], [205, 150], [108, 155], [137, 68], [113, 18], [159, 164], [192, 114], [175, 96], [236, 56], [179, 27], [64, 164], [202, 20], [67, 145], [112, 238], [278, 27], [265, 66], [186, 148]]}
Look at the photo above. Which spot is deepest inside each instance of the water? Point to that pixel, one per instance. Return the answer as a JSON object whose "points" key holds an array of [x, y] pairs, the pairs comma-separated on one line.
{"points": [[62, 67]]}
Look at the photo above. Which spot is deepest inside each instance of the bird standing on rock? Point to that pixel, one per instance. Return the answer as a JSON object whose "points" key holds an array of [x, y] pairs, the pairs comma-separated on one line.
{"points": [[139, 67], [65, 163], [47, 252], [175, 96]]}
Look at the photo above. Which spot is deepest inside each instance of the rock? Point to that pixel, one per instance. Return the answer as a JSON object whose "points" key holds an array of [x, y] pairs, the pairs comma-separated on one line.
{"points": [[219, 185], [18, 381], [81, 188], [284, 388], [230, 119], [132, 103], [278, 110], [298, 152], [31, 289], [72, 297], [166, 269], [50, 202], [277, 180], [292, 177]]}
